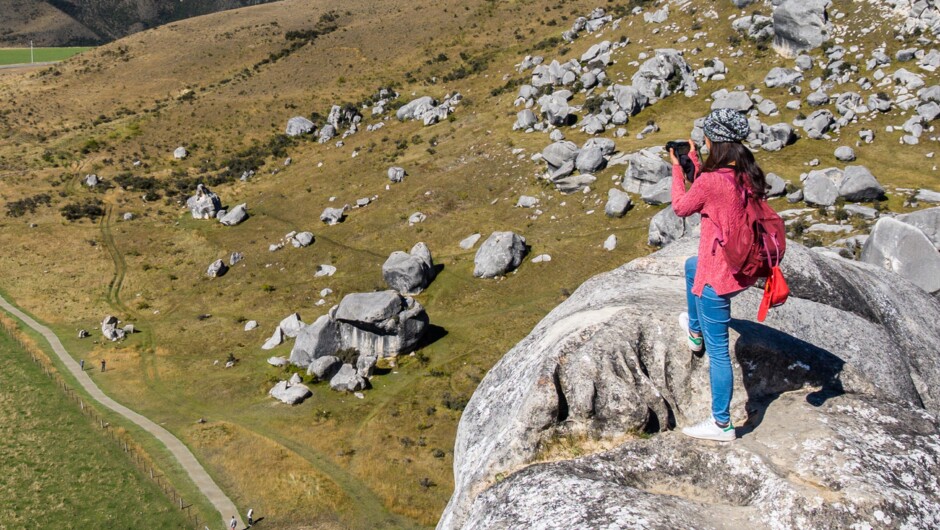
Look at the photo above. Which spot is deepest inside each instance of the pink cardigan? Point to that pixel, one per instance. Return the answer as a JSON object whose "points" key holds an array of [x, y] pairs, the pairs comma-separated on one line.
{"points": [[720, 204]]}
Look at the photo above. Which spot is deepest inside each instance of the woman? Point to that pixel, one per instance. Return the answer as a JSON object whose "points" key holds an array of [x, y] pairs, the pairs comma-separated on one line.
{"points": [[718, 195]]}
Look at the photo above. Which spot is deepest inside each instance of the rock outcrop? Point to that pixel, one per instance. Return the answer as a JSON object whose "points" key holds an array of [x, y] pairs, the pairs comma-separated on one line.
{"points": [[204, 204], [380, 324], [903, 248], [856, 419]]}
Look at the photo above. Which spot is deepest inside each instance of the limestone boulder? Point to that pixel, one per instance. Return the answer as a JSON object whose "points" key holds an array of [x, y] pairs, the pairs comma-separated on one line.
{"points": [[501, 253], [814, 405], [904, 249]]}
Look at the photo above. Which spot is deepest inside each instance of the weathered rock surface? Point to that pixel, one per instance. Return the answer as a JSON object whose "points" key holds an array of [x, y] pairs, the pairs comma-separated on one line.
{"points": [[298, 125], [502, 252], [332, 216], [324, 368], [800, 25], [409, 272], [927, 221], [217, 268], [347, 380], [858, 184], [618, 203], [902, 248], [823, 407], [236, 216], [204, 204]]}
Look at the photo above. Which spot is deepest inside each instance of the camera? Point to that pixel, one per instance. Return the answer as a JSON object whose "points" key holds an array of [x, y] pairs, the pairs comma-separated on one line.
{"points": [[681, 149]]}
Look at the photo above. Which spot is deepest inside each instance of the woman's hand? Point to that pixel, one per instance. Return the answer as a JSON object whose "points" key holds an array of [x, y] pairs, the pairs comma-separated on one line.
{"points": [[672, 156], [692, 150]]}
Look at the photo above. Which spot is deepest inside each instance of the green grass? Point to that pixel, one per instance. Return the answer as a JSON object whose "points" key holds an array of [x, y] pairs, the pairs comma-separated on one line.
{"points": [[40, 55], [59, 472]]}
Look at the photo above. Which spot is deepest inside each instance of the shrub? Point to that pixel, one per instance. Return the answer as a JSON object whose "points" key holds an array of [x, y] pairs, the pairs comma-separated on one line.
{"points": [[28, 205], [90, 209], [348, 355]]}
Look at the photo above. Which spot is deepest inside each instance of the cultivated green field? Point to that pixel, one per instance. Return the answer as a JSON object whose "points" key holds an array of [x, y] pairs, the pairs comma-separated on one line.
{"points": [[58, 472], [40, 55]]}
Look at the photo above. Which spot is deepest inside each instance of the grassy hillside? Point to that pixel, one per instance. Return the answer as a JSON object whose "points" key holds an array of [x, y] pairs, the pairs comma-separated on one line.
{"points": [[59, 472], [223, 87]]}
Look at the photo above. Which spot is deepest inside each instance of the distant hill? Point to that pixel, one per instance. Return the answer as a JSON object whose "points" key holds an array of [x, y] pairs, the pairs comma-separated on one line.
{"points": [[93, 22]]}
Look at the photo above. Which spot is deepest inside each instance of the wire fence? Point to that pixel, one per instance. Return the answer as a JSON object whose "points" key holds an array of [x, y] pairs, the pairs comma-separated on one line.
{"points": [[118, 435]]}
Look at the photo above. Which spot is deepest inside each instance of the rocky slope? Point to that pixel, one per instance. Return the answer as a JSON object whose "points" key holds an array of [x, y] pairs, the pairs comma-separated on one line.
{"points": [[836, 401]]}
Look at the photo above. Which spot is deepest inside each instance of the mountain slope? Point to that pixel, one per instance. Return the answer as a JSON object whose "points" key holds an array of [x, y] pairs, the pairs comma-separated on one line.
{"points": [[74, 23]]}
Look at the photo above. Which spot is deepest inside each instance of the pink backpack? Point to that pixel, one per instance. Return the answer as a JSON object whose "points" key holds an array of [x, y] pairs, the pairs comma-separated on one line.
{"points": [[758, 247]]}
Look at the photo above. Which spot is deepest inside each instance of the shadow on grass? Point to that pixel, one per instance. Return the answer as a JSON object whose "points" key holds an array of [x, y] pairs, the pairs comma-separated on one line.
{"points": [[433, 334]]}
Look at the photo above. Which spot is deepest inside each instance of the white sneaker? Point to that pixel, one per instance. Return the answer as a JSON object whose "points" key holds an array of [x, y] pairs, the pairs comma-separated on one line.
{"points": [[695, 343], [709, 430]]}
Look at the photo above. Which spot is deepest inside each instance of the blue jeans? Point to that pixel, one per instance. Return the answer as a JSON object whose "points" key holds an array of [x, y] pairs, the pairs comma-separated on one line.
{"points": [[709, 315]]}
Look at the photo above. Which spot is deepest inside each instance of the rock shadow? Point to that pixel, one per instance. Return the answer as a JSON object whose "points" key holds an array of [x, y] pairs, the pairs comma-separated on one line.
{"points": [[433, 334], [773, 362]]}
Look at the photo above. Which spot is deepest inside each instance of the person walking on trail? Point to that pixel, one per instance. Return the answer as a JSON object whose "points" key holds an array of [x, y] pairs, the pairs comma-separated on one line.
{"points": [[233, 524], [251, 520], [81, 364], [716, 193], [102, 365]]}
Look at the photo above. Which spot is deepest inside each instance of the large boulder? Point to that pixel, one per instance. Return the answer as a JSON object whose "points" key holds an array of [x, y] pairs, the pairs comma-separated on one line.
{"points": [[409, 272], [737, 100], [320, 339], [204, 204], [819, 189], [927, 221], [814, 405], [560, 153], [800, 25], [645, 169], [859, 185], [664, 74], [236, 216], [383, 323], [502, 252], [298, 125], [324, 368], [666, 227], [415, 108], [902, 248]]}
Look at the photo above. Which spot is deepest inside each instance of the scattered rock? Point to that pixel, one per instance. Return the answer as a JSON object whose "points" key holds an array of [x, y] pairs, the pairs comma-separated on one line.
{"points": [[324, 368], [204, 204], [298, 125], [784, 77], [217, 269], [527, 201], [276, 339], [396, 174], [236, 216], [291, 325], [610, 243], [278, 362], [289, 393], [845, 153], [502, 252], [180, 153], [468, 242], [324, 270], [251, 325], [110, 329], [347, 380], [332, 216], [618, 203], [303, 239]]}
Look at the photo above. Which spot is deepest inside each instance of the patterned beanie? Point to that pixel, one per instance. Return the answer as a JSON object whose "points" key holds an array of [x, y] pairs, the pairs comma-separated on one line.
{"points": [[726, 125]]}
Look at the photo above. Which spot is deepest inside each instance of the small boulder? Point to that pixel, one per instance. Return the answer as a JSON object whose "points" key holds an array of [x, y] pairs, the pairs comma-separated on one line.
{"points": [[409, 273], [396, 174], [217, 269], [292, 325], [332, 216], [289, 393], [819, 189], [784, 77], [845, 153], [303, 239], [347, 379], [298, 125], [180, 153], [204, 204], [110, 329], [251, 325], [859, 185], [468, 242], [276, 339], [618, 202]]}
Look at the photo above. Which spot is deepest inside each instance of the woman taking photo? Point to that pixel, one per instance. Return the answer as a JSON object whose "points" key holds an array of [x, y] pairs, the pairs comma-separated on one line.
{"points": [[717, 193]]}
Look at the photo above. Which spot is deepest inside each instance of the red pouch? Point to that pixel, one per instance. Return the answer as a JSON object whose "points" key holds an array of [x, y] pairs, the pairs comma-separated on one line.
{"points": [[776, 293]]}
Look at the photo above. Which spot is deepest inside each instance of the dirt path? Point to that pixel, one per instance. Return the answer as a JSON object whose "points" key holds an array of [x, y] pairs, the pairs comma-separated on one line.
{"points": [[187, 461]]}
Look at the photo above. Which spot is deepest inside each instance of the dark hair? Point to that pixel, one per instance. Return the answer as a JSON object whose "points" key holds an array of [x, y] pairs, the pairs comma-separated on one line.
{"points": [[736, 156]]}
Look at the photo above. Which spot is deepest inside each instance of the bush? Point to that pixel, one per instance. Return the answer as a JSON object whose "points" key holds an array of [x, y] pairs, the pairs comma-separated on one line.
{"points": [[90, 208], [348, 356], [28, 205]]}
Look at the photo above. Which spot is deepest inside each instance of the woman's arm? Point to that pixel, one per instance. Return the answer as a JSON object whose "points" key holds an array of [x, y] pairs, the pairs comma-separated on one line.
{"points": [[686, 203]]}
